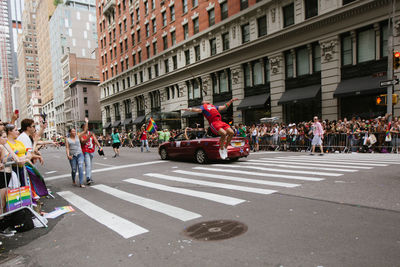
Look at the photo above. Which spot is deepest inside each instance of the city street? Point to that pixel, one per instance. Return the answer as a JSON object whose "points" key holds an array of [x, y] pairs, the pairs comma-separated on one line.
{"points": [[299, 210]]}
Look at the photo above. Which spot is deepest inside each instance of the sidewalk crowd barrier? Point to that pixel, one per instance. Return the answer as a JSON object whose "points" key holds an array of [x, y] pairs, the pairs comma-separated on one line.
{"points": [[16, 196]]}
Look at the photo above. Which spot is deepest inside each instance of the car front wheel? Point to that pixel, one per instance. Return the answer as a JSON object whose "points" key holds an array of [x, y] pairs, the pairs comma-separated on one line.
{"points": [[163, 154], [201, 156]]}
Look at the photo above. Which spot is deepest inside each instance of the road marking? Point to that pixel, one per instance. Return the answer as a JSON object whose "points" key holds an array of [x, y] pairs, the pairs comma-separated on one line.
{"points": [[238, 179], [331, 161], [118, 224], [212, 184], [50, 172], [193, 193], [261, 163], [280, 170], [102, 164], [353, 159], [266, 152], [107, 169], [273, 160], [261, 174], [151, 204]]}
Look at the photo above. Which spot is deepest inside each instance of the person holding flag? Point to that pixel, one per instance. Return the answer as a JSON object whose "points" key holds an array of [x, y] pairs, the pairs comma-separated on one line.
{"points": [[151, 128], [217, 126]]}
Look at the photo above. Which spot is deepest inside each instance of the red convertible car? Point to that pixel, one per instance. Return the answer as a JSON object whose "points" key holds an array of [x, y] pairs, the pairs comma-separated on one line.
{"points": [[202, 149]]}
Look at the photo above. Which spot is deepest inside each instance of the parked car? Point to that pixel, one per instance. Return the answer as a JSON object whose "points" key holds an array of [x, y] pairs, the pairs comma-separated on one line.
{"points": [[202, 149]]}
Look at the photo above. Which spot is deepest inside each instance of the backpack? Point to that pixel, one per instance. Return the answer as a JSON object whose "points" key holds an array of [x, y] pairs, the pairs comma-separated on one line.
{"points": [[21, 220]]}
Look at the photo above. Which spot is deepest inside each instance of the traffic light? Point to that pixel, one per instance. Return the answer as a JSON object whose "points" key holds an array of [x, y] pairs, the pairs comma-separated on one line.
{"points": [[381, 100], [396, 60]]}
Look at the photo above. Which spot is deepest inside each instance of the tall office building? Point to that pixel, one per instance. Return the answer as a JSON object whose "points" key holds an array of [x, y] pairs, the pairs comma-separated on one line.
{"points": [[28, 65], [290, 59]]}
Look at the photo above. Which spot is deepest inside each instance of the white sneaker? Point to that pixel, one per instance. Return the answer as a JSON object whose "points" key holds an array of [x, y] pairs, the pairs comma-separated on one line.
{"points": [[222, 154], [225, 153]]}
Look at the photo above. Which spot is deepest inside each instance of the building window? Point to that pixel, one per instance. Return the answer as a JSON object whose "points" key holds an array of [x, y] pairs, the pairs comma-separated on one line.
{"points": [[134, 59], [166, 66], [184, 6], [122, 66], [153, 22], [149, 73], [185, 31], [302, 61], [366, 45], [197, 52], [347, 50], [345, 2], [244, 4], [257, 73], [384, 41], [224, 10], [155, 48], [245, 33], [173, 38], [262, 26], [128, 81], [85, 100], [132, 18], [121, 47], [311, 8], [172, 12], [140, 56], [141, 76], [316, 58], [225, 41], [153, 4], [175, 62], [148, 51], [288, 15], [147, 30], [86, 113], [224, 83], [133, 39], [246, 73], [135, 78], [120, 28], [266, 69], [167, 91], [146, 7], [289, 65], [214, 84], [165, 42], [126, 44], [187, 57], [164, 18], [124, 25], [213, 46], [156, 73], [211, 17], [195, 3], [196, 89], [138, 36], [84, 89], [137, 14], [195, 25]]}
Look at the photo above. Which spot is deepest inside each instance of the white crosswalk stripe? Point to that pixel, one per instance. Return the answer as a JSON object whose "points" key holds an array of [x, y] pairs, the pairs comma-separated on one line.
{"points": [[295, 177], [169, 210], [212, 184], [264, 163], [193, 193], [280, 170], [308, 163], [311, 159], [237, 179], [354, 159], [118, 224]]}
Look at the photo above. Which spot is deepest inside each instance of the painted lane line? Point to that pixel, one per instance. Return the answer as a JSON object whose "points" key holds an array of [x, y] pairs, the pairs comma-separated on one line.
{"points": [[118, 224], [261, 174], [50, 172], [193, 193], [337, 162], [151, 204], [261, 163], [212, 184], [280, 170], [238, 179], [107, 169], [102, 164], [378, 161], [266, 152], [273, 160]]}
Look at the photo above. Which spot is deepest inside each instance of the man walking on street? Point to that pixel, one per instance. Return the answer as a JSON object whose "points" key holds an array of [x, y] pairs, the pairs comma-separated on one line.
{"points": [[318, 133]]}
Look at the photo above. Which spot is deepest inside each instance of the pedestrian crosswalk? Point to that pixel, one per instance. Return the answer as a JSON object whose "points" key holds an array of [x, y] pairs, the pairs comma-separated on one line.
{"points": [[261, 176]]}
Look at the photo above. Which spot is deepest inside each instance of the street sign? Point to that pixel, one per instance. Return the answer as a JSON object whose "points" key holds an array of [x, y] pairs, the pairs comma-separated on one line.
{"points": [[390, 82]]}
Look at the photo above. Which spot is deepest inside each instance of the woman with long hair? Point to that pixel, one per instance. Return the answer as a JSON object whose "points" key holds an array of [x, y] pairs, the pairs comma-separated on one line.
{"points": [[143, 140], [74, 153], [116, 142]]}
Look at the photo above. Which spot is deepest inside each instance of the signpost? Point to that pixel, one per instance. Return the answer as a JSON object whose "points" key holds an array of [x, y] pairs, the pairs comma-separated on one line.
{"points": [[389, 83]]}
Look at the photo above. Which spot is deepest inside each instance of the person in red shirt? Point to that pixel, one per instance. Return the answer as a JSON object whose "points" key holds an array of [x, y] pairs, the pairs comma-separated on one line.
{"points": [[88, 145], [143, 139], [217, 126]]}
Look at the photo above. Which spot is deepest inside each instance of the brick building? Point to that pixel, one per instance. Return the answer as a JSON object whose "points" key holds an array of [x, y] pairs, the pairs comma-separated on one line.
{"points": [[291, 59]]}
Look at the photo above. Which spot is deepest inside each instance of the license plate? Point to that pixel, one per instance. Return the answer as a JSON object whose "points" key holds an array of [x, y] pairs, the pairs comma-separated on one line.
{"points": [[237, 144]]}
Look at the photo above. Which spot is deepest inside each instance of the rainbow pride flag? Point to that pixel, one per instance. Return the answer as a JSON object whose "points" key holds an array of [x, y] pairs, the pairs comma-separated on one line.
{"points": [[15, 199], [151, 127], [388, 129]]}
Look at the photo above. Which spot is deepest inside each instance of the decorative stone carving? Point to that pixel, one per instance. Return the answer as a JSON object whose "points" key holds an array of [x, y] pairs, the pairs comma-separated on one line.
{"points": [[328, 49], [235, 75], [397, 26], [274, 61], [273, 14]]}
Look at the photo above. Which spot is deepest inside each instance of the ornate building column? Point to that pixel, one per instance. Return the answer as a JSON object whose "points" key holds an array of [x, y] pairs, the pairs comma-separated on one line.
{"points": [[277, 83], [330, 76]]}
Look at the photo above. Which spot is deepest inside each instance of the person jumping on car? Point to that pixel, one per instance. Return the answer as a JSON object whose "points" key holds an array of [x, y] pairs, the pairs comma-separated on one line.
{"points": [[217, 126]]}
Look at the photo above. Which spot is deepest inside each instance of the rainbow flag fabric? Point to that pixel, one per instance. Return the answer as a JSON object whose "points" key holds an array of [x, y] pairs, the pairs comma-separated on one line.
{"points": [[151, 127], [388, 129], [15, 199]]}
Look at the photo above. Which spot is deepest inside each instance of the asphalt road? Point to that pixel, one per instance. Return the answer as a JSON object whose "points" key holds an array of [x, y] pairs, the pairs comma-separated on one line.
{"points": [[300, 210]]}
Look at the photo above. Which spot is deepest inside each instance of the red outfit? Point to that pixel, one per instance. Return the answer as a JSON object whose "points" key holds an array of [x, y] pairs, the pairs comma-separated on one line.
{"points": [[214, 118], [89, 146]]}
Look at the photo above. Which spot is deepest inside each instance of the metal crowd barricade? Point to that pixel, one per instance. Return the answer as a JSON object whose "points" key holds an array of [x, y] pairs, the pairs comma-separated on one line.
{"points": [[22, 195]]}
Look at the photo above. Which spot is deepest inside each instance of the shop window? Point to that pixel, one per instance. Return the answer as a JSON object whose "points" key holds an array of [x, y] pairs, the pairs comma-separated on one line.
{"points": [[257, 73], [347, 50], [246, 73], [302, 61], [289, 65], [316, 58], [366, 45]]}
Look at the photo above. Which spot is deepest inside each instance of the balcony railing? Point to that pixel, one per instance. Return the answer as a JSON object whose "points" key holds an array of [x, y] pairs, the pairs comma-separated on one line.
{"points": [[110, 4]]}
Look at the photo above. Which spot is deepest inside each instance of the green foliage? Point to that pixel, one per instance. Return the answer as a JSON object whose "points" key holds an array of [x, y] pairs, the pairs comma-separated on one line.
{"points": [[56, 2]]}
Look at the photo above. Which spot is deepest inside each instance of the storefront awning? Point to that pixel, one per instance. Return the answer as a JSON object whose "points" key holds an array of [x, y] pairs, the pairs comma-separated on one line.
{"points": [[127, 121], [107, 125], [255, 101], [116, 123], [360, 85], [190, 114], [299, 94], [139, 119]]}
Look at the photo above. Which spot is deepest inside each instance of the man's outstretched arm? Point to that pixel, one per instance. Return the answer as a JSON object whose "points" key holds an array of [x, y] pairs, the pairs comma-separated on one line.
{"points": [[198, 110], [220, 108]]}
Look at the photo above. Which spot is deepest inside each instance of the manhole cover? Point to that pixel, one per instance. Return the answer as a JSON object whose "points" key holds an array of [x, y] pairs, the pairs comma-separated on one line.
{"points": [[216, 230]]}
